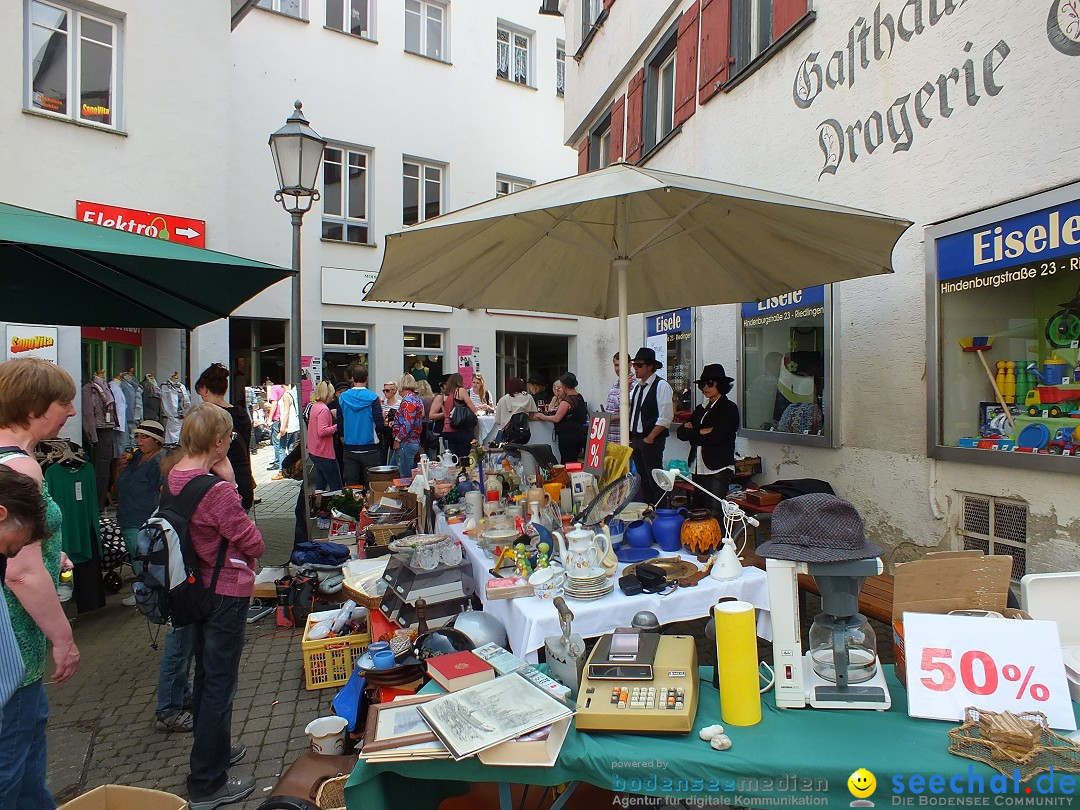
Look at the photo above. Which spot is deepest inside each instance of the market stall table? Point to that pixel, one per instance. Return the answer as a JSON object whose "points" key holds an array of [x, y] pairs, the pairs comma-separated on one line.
{"points": [[529, 621], [485, 428], [793, 756]]}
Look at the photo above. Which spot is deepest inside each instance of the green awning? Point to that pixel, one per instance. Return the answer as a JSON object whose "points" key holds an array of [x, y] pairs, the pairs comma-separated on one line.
{"points": [[57, 270]]}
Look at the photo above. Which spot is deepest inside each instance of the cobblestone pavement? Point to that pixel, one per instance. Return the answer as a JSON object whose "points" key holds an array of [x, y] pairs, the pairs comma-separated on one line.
{"points": [[101, 726]]}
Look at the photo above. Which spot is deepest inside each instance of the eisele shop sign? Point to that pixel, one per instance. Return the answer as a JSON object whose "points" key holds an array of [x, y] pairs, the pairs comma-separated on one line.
{"points": [[171, 228]]}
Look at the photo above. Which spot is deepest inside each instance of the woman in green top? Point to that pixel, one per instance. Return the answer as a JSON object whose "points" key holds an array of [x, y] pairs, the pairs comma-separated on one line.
{"points": [[35, 402]]}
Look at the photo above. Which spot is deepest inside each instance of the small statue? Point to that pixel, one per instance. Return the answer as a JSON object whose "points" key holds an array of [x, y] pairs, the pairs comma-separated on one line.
{"points": [[543, 555]]}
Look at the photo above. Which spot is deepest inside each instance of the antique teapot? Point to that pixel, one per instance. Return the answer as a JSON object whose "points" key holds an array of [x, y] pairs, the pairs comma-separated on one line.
{"points": [[582, 552]]}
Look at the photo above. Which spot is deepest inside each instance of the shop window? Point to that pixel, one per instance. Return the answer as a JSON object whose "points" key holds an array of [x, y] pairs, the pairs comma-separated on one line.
{"points": [[671, 336], [356, 17], [73, 63], [346, 195], [1005, 365], [343, 346], [785, 370], [423, 356], [508, 185], [560, 68], [290, 8], [422, 191], [426, 29], [513, 47]]}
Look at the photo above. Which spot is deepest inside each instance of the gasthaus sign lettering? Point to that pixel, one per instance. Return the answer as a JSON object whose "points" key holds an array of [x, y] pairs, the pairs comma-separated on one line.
{"points": [[182, 230]]}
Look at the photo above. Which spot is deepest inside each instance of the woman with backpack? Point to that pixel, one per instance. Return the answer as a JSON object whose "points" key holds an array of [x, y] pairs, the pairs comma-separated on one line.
{"points": [[454, 395], [516, 400], [570, 420], [227, 546], [35, 401]]}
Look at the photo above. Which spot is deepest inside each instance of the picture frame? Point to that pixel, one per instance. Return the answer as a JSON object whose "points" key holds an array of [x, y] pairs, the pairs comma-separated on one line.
{"points": [[397, 724]]}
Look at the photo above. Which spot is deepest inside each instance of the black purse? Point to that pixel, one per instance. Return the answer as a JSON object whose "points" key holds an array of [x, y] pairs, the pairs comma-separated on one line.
{"points": [[462, 417]]}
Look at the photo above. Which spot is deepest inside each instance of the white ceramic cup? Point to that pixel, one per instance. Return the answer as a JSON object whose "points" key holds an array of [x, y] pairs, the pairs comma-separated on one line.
{"points": [[474, 504]]}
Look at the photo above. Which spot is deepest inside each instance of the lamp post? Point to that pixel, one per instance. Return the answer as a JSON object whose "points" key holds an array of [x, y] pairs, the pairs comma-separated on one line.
{"points": [[298, 153]]}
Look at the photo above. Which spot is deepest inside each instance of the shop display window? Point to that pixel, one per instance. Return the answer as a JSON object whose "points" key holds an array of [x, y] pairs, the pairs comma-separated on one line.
{"points": [[671, 336], [1006, 313], [786, 368], [343, 346]]}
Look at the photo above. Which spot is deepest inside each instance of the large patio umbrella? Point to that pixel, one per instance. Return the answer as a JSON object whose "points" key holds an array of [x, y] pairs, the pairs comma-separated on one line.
{"points": [[627, 240], [57, 270]]}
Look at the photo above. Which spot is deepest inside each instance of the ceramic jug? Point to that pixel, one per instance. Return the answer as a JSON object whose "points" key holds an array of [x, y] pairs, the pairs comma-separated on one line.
{"points": [[582, 552], [448, 459], [610, 562], [667, 527]]}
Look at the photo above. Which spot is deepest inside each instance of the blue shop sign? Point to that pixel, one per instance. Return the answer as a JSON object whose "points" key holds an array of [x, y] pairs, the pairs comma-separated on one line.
{"points": [[666, 323], [1030, 239], [798, 299]]}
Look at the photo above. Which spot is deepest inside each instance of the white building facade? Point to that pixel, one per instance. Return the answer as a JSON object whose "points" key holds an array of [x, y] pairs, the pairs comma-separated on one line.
{"points": [[952, 114]]}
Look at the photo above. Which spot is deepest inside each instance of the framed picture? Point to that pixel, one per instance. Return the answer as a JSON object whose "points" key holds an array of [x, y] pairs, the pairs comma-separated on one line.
{"points": [[397, 724]]}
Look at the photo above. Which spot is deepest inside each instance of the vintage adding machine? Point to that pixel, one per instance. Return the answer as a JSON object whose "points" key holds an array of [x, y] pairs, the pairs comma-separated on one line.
{"points": [[639, 681]]}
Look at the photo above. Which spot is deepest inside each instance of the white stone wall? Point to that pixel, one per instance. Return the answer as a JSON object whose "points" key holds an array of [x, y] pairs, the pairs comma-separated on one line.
{"points": [[1016, 140]]}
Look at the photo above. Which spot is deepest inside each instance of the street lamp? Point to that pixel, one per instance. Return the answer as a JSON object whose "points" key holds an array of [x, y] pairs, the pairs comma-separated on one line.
{"points": [[298, 153]]}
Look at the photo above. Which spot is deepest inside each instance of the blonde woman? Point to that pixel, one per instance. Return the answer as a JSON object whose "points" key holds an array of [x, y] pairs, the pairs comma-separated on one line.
{"points": [[320, 439], [480, 396], [220, 530]]}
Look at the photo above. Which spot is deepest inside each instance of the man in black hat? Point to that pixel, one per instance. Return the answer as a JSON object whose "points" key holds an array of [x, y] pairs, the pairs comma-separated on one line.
{"points": [[652, 411], [538, 388]]}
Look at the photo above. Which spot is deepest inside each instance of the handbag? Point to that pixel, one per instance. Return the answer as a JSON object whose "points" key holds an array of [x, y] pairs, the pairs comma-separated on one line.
{"points": [[292, 466], [462, 417]]}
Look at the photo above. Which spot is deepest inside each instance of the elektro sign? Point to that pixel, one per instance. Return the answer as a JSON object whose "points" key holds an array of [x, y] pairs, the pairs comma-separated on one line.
{"points": [[182, 230]]}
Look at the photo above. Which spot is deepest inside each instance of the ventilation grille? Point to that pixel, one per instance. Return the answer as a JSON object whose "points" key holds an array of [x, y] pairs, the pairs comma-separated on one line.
{"points": [[996, 527]]}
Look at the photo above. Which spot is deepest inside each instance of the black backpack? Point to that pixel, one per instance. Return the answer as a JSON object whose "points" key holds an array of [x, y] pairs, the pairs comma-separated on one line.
{"points": [[169, 588], [517, 430]]}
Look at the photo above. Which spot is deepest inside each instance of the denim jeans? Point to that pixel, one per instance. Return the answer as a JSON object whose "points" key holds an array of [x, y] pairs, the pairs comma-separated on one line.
{"points": [[218, 642], [406, 457], [327, 473], [22, 750], [131, 543], [174, 686], [275, 442]]}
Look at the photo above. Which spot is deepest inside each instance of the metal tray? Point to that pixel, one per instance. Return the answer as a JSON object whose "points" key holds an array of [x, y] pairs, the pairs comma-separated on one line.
{"points": [[673, 567]]}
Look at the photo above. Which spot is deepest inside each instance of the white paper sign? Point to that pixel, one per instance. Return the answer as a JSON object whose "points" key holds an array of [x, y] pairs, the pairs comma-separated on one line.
{"points": [[995, 664], [31, 341]]}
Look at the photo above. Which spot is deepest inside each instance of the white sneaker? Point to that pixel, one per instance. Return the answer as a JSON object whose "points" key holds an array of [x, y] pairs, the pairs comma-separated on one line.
{"points": [[129, 601]]}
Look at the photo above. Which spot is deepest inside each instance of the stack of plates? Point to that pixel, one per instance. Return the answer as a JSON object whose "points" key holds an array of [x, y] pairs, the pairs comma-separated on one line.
{"points": [[587, 588]]}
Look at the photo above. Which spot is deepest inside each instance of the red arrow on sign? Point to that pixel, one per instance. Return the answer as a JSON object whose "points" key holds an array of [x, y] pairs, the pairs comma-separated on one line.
{"points": [[182, 230]]}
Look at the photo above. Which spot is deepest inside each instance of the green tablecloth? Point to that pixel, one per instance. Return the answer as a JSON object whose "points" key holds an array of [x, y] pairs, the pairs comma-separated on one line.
{"points": [[800, 757]]}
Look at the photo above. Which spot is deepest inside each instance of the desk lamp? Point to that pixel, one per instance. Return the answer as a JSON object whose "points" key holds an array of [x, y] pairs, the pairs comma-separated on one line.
{"points": [[727, 564]]}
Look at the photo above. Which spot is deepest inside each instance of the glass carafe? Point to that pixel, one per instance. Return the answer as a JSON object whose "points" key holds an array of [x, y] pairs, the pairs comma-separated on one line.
{"points": [[857, 637]]}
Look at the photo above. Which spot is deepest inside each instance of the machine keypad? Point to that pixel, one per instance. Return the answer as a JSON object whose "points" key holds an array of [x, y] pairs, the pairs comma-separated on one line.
{"points": [[646, 697]]}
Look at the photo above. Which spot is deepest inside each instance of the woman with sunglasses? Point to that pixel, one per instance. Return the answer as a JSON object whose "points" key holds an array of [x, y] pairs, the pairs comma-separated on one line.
{"points": [[710, 431]]}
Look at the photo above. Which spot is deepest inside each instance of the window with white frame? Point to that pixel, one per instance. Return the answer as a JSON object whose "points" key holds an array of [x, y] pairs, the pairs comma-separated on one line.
{"points": [[355, 17], [590, 13], [292, 8], [600, 143], [421, 191], [659, 115], [512, 54], [505, 184], [423, 356], [73, 63], [665, 102], [346, 195], [751, 31], [426, 29], [560, 67], [343, 347]]}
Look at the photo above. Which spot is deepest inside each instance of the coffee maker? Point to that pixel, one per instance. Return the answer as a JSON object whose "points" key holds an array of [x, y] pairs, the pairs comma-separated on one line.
{"points": [[841, 670]]}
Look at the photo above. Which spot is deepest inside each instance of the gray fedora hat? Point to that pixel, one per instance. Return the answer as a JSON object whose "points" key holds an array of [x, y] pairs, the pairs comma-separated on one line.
{"points": [[817, 528]]}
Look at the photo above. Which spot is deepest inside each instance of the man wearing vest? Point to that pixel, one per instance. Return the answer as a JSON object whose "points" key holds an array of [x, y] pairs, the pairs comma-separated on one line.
{"points": [[651, 413]]}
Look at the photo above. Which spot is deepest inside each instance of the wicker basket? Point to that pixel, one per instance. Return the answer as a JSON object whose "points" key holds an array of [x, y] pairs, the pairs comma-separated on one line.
{"points": [[331, 794], [384, 533]]}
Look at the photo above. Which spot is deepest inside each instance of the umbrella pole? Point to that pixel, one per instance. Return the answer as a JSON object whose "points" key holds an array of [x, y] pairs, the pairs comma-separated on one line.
{"points": [[621, 266]]}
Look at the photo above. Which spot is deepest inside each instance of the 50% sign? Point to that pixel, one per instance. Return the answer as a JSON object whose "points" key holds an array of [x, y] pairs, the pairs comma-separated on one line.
{"points": [[993, 664]]}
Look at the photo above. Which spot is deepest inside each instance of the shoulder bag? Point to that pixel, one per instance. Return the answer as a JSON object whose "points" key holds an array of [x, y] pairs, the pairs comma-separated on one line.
{"points": [[462, 417]]}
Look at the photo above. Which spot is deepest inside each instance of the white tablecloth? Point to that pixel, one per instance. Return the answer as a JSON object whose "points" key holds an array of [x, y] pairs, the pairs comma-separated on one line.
{"points": [[485, 428], [529, 621]]}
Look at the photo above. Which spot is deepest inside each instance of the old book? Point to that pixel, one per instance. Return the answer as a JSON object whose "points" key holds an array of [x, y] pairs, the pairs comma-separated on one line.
{"points": [[459, 670]]}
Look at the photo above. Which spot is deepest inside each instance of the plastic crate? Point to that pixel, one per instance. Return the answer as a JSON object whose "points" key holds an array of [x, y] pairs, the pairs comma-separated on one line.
{"points": [[330, 661]]}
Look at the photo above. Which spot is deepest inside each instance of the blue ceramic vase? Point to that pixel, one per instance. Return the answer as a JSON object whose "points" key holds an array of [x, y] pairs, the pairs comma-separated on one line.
{"points": [[638, 534], [667, 528]]}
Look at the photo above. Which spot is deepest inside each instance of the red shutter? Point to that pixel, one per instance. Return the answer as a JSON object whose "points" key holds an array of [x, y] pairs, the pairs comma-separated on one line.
{"points": [[635, 96], [785, 14], [583, 155], [608, 4], [715, 45], [686, 59], [618, 126]]}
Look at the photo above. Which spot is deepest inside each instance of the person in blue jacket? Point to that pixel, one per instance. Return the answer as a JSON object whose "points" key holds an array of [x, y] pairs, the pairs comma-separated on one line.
{"points": [[362, 417]]}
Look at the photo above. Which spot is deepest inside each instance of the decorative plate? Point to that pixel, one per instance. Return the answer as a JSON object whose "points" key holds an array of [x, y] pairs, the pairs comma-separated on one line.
{"points": [[673, 567]]}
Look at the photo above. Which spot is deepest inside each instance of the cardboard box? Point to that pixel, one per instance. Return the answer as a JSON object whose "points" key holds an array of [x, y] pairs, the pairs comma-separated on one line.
{"points": [[945, 581], [123, 797]]}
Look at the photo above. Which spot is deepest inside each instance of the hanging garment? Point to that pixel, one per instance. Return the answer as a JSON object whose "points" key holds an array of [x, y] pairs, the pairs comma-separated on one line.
{"points": [[122, 417], [151, 399], [175, 400], [73, 487], [133, 396]]}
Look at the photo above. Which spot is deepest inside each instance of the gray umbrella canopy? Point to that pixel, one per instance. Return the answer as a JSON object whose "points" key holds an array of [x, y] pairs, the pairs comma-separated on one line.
{"points": [[624, 240]]}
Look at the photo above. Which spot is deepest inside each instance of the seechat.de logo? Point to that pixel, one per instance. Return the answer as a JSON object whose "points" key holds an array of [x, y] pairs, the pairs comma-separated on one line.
{"points": [[862, 785]]}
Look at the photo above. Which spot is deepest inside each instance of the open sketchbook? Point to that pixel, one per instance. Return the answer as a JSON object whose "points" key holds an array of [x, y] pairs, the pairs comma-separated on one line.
{"points": [[489, 713]]}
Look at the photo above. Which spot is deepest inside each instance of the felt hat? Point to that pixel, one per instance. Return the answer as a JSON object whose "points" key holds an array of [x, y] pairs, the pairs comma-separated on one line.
{"points": [[817, 528], [714, 372], [647, 356], [536, 379], [152, 429]]}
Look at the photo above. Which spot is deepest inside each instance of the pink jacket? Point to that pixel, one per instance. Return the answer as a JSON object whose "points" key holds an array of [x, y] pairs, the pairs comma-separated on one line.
{"points": [[219, 516], [321, 429]]}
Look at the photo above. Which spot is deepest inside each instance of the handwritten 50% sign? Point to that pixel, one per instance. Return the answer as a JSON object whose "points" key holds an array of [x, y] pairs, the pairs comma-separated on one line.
{"points": [[994, 664]]}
